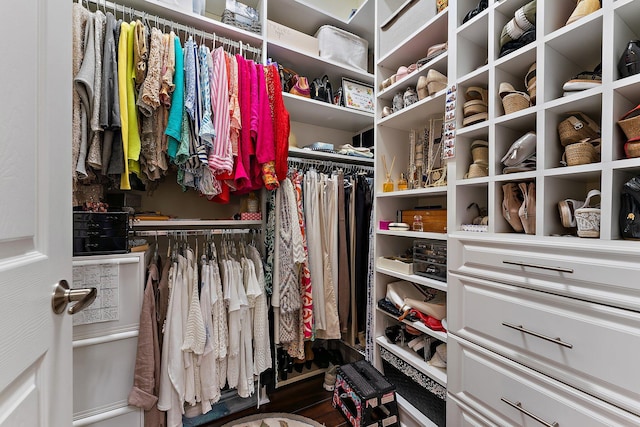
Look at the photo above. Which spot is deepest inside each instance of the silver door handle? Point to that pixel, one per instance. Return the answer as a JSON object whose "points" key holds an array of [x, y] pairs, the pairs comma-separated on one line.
{"points": [[543, 267], [535, 334], [63, 295], [519, 407]]}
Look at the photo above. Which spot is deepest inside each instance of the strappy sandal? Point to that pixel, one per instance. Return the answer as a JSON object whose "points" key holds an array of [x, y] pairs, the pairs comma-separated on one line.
{"points": [[588, 217], [512, 99], [583, 81], [566, 209]]}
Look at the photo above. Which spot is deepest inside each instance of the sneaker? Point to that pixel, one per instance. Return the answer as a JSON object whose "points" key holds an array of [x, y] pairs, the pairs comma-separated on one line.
{"points": [[330, 378]]}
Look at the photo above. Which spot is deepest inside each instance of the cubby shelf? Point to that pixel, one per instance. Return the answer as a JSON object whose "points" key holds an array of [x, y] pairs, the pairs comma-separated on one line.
{"points": [[437, 374], [442, 336]]}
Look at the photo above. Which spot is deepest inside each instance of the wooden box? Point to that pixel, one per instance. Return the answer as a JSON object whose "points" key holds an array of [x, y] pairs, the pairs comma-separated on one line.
{"points": [[433, 220]]}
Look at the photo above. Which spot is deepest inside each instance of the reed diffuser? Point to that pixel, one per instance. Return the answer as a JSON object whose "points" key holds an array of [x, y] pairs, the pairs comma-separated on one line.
{"points": [[387, 185]]}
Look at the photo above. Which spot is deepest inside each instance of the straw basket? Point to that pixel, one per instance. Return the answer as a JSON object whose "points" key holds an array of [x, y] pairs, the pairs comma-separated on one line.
{"points": [[477, 170], [580, 153], [630, 123], [480, 152], [515, 102], [632, 149]]}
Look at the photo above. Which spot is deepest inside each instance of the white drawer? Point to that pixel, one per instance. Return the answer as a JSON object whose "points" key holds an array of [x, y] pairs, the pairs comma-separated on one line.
{"points": [[606, 272], [486, 382], [461, 415], [598, 345]]}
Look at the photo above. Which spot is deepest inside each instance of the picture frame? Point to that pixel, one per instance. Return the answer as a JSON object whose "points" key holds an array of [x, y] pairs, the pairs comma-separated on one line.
{"points": [[357, 95]]}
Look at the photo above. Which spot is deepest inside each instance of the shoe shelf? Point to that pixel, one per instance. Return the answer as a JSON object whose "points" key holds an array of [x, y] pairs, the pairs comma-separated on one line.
{"points": [[303, 153], [416, 192], [442, 336], [414, 46], [439, 375], [438, 63], [294, 376], [416, 115], [413, 234], [414, 278]]}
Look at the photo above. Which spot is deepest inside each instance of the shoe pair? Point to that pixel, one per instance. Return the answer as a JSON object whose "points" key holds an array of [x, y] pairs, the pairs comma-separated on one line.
{"points": [[473, 12], [583, 8], [519, 206], [513, 100], [583, 81], [480, 156], [520, 30], [568, 207], [430, 84], [476, 106]]}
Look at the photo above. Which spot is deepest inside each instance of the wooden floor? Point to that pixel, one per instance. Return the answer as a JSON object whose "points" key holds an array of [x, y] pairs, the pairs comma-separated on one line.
{"points": [[306, 398]]}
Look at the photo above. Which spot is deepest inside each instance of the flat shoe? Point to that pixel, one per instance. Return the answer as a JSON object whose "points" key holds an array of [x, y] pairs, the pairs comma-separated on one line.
{"points": [[436, 50], [474, 106]]}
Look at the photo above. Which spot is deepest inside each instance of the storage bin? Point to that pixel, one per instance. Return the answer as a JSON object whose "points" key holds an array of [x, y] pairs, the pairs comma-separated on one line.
{"points": [[295, 40], [343, 47], [422, 392], [430, 259], [99, 233]]}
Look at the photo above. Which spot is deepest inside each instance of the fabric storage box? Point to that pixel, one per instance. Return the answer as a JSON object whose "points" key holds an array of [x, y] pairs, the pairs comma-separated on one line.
{"points": [[99, 233], [343, 47], [295, 40], [422, 392], [251, 216], [406, 24]]}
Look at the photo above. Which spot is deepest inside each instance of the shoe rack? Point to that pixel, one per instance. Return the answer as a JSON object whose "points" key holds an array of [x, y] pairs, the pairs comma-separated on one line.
{"points": [[514, 338]]}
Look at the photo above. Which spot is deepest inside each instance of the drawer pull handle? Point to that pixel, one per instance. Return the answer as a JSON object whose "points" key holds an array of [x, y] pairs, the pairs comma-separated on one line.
{"points": [[544, 267], [519, 407], [535, 334]]}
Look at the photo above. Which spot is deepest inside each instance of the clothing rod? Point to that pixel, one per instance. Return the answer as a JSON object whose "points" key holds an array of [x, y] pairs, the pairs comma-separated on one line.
{"points": [[328, 163], [207, 232], [159, 21]]}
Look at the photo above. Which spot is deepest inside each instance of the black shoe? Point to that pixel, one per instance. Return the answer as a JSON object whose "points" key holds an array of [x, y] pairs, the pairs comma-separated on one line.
{"points": [[629, 63]]}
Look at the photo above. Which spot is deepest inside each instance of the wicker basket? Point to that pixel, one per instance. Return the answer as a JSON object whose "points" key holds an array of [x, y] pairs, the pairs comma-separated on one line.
{"points": [[480, 152], [580, 153], [630, 123], [249, 21], [477, 170], [632, 149]]}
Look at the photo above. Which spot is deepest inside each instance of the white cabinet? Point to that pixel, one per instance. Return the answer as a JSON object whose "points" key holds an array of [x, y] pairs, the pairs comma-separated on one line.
{"points": [[104, 353]]}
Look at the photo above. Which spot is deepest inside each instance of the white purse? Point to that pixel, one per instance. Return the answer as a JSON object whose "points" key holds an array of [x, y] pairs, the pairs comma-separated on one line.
{"points": [[406, 295]]}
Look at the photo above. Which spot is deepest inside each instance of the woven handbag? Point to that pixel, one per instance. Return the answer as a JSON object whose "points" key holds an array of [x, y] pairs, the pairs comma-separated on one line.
{"points": [[577, 127]]}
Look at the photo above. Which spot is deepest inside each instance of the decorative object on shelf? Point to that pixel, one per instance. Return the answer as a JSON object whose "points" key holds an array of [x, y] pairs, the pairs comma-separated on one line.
{"points": [[403, 183], [386, 111], [482, 5], [588, 217], [251, 216], [434, 219], [629, 63], [520, 30], [436, 170], [512, 200], [357, 95], [581, 153], [521, 156], [449, 125], [321, 90], [583, 8], [527, 211], [338, 99], [399, 226], [417, 223], [384, 225], [630, 125], [577, 127], [253, 203], [388, 185], [430, 260], [629, 219], [409, 97], [480, 160], [476, 105], [241, 16], [583, 81], [441, 5], [301, 87], [530, 83], [342, 46], [325, 147], [513, 100]]}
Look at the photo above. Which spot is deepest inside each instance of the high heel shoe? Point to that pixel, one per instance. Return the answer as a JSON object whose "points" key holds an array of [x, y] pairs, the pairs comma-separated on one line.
{"points": [[435, 82], [511, 204], [527, 211], [567, 209]]}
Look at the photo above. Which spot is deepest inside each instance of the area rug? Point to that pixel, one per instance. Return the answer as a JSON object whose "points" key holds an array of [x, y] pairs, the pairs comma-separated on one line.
{"points": [[274, 419]]}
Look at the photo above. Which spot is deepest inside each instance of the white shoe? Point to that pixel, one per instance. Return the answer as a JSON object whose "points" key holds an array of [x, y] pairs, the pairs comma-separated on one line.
{"points": [[330, 378]]}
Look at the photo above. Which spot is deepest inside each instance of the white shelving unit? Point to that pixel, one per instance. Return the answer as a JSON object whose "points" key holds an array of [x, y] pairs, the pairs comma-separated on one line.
{"points": [[392, 141]]}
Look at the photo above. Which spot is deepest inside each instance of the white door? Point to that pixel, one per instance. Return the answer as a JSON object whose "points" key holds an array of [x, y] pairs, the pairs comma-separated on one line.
{"points": [[35, 212]]}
